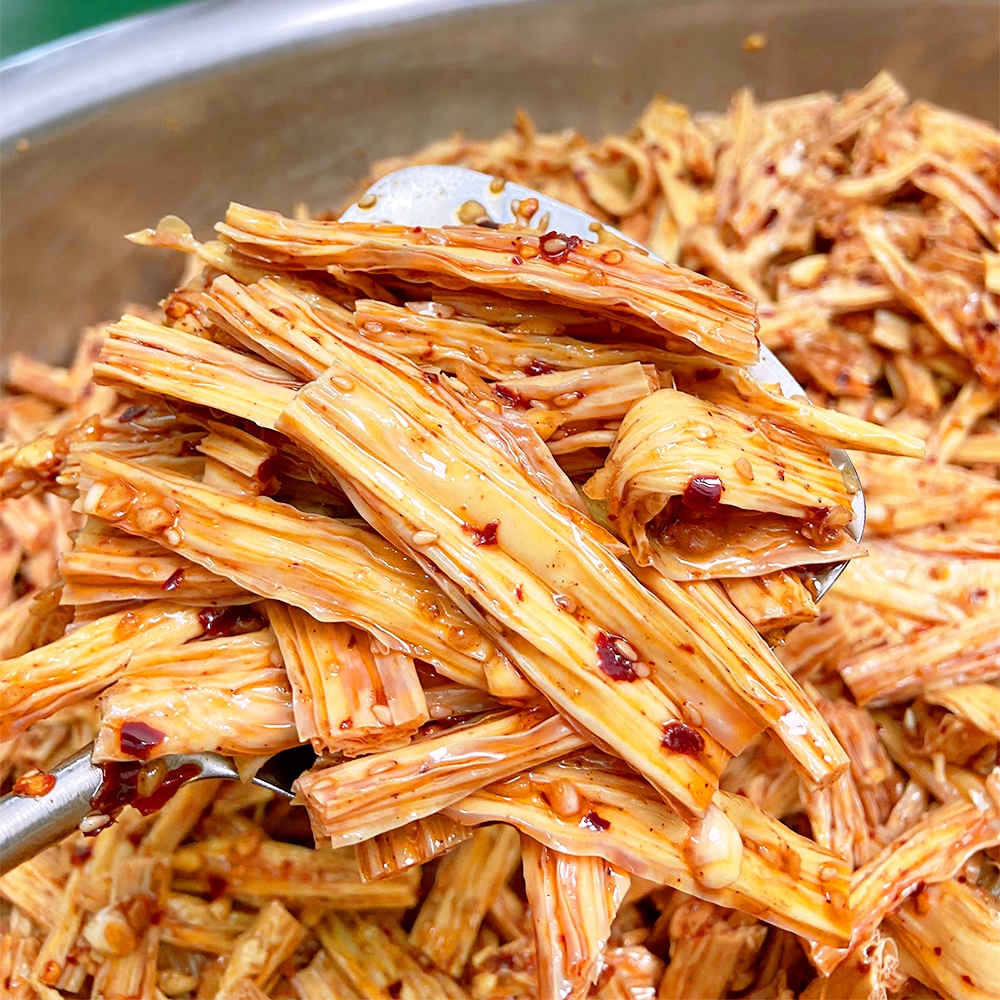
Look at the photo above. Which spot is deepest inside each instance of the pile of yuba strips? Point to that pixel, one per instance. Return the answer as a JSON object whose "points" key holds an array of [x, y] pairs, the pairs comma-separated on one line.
{"points": [[499, 523]]}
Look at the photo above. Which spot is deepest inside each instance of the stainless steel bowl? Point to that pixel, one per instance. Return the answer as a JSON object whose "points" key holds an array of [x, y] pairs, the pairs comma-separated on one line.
{"points": [[273, 101]]}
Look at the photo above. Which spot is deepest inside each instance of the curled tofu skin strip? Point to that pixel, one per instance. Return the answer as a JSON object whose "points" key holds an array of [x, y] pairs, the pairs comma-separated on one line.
{"points": [[670, 439]]}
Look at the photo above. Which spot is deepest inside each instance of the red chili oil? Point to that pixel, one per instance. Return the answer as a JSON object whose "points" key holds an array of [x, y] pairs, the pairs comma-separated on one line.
{"points": [[119, 788], [237, 620], [486, 535], [138, 738], [680, 738]]}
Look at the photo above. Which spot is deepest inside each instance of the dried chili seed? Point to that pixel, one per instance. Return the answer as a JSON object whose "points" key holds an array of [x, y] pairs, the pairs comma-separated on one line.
{"points": [[591, 821], [679, 738], [486, 535], [612, 661], [702, 494]]}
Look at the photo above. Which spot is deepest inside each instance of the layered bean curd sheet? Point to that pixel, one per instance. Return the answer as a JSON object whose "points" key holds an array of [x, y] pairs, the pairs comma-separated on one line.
{"points": [[500, 523]]}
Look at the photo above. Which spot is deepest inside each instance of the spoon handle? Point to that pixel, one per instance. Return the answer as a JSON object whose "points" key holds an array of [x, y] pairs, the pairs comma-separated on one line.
{"points": [[30, 824]]}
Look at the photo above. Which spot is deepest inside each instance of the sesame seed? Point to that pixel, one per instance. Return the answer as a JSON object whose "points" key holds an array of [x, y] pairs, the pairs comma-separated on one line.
{"points": [[565, 399], [91, 824], [626, 649], [92, 500], [564, 603], [691, 714]]}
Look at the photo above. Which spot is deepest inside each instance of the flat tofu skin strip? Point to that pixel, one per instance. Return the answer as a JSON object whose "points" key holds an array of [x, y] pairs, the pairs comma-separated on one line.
{"points": [[625, 285], [361, 798], [84, 662], [348, 695], [737, 388], [408, 846], [573, 902], [157, 359], [333, 570], [436, 336], [774, 874], [230, 695], [754, 676]]}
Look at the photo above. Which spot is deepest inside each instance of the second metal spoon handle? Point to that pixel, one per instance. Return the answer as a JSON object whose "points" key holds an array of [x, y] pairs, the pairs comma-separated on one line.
{"points": [[29, 825]]}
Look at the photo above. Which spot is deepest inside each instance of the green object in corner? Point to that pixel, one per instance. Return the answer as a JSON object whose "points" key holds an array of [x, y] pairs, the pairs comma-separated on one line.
{"points": [[27, 23]]}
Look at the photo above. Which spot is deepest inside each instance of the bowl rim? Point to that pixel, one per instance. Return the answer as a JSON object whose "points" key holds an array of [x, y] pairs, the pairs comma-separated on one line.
{"points": [[47, 84]]}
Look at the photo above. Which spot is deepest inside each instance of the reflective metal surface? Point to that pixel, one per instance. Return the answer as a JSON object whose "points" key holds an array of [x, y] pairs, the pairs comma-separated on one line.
{"points": [[30, 824], [272, 102]]}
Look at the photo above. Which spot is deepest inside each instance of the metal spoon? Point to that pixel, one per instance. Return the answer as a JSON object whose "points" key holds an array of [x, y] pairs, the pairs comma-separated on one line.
{"points": [[416, 196], [30, 824]]}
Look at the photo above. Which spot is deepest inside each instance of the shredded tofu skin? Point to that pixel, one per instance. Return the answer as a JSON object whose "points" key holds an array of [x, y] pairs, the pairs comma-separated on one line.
{"points": [[498, 522]]}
